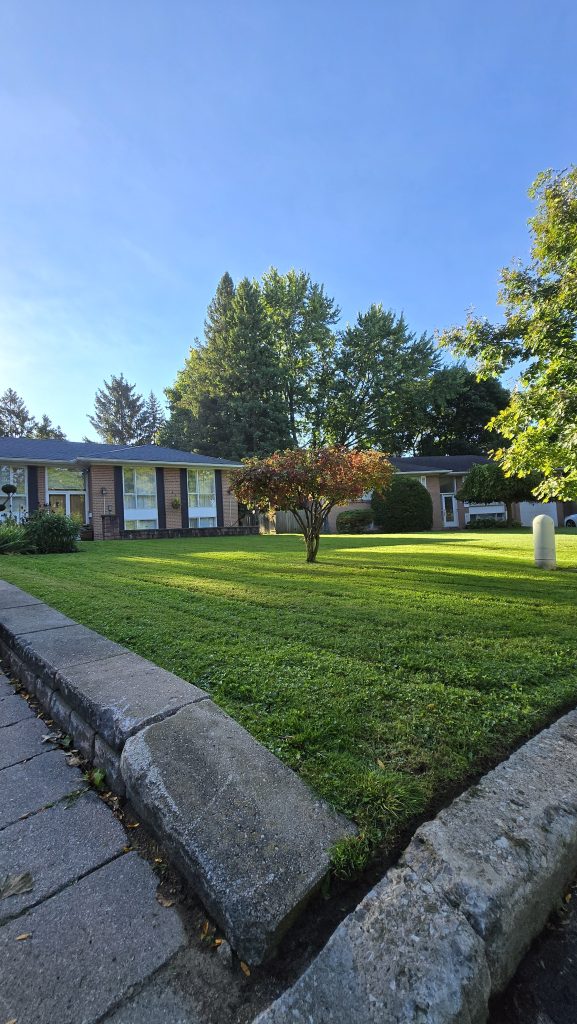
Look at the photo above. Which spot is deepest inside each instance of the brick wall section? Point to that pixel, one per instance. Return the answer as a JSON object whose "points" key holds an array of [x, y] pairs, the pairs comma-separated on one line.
{"points": [[101, 476], [41, 485], [171, 491], [229, 502]]}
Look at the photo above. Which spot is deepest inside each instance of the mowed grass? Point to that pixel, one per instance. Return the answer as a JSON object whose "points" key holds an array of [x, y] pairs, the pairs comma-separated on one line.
{"points": [[387, 675]]}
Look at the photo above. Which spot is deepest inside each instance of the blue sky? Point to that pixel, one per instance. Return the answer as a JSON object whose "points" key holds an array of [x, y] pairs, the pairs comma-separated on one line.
{"points": [[145, 148]]}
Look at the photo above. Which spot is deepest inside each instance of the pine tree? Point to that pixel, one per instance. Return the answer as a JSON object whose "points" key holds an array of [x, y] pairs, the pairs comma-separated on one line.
{"points": [[119, 412], [153, 421], [15, 420], [227, 400], [45, 429]]}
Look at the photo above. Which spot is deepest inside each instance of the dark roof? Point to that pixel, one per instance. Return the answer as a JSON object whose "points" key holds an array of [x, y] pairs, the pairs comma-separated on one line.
{"points": [[436, 463], [25, 449]]}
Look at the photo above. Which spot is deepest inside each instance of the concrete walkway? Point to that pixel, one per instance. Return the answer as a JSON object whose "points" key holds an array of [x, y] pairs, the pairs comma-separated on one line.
{"points": [[83, 938]]}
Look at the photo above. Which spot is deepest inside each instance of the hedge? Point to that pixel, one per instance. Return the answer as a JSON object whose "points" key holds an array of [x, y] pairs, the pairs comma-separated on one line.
{"points": [[406, 507]]}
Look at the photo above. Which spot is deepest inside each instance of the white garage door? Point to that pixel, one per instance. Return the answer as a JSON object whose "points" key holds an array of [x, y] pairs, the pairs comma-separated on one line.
{"points": [[530, 509]]}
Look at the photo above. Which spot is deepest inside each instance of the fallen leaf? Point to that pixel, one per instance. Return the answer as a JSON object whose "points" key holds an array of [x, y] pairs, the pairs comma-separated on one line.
{"points": [[135, 824], [13, 885], [158, 860], [126, 849], [25, 935], [217, 943], [164, 901], [245, 969], [568, 897], [73, 760], [205, 928], [381, 764]]}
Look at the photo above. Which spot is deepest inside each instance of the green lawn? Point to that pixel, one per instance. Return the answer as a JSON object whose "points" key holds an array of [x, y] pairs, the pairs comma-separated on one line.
{"points": [[387, 674]]}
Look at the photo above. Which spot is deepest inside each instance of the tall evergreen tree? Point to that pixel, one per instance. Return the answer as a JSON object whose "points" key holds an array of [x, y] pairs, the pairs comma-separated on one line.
{"points": [[153, 420], [15, 419], [119, 412], [227, 399]]}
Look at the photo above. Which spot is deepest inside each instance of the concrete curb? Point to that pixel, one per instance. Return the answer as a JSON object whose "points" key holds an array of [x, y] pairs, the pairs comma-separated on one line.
{"points": [[445, 929], [250, 837]]}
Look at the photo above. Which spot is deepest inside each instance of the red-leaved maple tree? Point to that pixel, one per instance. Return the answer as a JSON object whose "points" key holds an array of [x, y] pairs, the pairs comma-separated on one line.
{"points": [[308, 482]]}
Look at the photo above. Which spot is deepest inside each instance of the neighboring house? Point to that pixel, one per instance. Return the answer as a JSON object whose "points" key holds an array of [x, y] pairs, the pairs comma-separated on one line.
{"points": [[121, 490], [443, 475]]}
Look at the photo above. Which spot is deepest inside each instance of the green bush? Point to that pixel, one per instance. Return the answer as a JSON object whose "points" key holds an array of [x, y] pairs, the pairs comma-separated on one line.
{"points": [[489, 522], [406, 507], [12, 537], [49, 532], [356, 521]]}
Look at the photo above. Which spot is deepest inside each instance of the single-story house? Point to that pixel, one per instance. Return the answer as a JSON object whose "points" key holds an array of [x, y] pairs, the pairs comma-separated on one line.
{"points": [[121, 491], [443, 475]]}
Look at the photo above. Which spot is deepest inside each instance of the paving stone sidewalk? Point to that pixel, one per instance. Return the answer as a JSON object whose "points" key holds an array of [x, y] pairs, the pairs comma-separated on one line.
{"points": [[88, 941]]}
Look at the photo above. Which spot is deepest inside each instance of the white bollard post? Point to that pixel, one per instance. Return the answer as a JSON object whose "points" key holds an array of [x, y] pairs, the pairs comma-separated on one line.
{"points": [[544, 542]]}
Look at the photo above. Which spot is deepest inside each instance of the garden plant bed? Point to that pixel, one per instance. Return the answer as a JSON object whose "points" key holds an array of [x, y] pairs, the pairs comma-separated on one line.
{"points": [[387, 675]]}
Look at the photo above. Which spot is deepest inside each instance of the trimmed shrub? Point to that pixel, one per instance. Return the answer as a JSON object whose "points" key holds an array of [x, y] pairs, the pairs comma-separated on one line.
{"points": [[406, 507], [48, 532], [12, 537], [355, 521]]}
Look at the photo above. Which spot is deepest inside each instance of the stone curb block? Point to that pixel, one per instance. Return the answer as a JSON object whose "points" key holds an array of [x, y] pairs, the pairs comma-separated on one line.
{"points": [[498, 859], [250, 836]]}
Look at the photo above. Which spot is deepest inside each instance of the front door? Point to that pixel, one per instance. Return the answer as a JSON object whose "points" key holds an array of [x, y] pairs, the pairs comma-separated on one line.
{"points": [[450, 516], [68, 503]]}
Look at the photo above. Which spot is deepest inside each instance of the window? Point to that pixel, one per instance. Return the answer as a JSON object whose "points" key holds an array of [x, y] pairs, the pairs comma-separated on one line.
{"points": [[61, 478], [201, 522], [140, 497], [201, 489], [16, 504]]}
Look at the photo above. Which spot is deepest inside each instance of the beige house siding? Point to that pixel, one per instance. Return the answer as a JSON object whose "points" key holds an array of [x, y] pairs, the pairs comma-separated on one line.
{"points": [[229, 503], [434, 489], [171, 491], [101, 504]]}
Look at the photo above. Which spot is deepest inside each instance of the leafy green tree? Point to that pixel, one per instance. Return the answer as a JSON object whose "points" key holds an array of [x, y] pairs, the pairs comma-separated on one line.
{"points": [[227, 400], [121, 415], [300, 318], [15, 419], [381, 385], [460, 407], [45, 429], [539, 300], [486, 482]]}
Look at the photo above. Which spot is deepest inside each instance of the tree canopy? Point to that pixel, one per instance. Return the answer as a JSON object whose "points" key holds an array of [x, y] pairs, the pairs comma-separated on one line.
{"points": [[539, 333], [460, 408], [309, 483], [272, 370], [16, 420], [486, 482], [122, 416]]}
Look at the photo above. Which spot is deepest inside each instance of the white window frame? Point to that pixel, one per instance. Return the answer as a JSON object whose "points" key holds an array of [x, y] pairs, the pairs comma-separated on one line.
{"points": [[142, 515], [19, 495], [195, 510], [66, 491]]}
